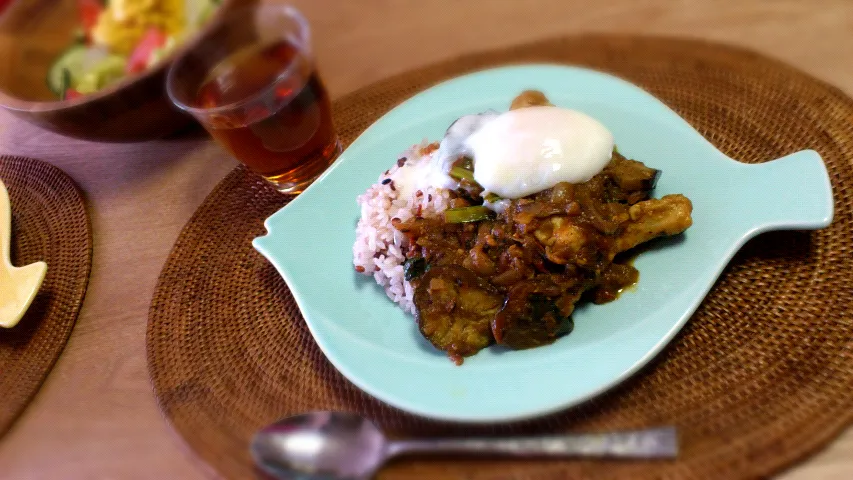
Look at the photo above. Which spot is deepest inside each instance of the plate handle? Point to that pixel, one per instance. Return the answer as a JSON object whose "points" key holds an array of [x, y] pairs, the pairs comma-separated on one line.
{"points": [[791, 193]]}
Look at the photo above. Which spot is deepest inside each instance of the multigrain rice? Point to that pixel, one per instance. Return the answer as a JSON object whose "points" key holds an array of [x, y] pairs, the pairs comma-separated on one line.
{"points": [[380, 249]]}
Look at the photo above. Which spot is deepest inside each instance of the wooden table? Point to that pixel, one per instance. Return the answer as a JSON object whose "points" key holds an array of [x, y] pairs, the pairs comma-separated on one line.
{"points": [[96, 418]]}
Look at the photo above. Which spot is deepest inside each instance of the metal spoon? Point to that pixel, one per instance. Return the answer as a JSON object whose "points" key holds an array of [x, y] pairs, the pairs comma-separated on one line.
{"points": [[338, 445]]}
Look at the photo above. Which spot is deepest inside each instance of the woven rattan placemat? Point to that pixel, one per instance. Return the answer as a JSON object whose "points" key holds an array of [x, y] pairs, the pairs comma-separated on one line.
{"points": [[49, 223], [761, 376]]}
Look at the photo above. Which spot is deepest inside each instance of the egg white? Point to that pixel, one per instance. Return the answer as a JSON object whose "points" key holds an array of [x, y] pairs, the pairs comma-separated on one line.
{"points": [[525, 151]]}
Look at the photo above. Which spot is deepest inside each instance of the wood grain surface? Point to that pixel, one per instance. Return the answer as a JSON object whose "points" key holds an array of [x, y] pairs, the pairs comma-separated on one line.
{"points": [[96, 418]]}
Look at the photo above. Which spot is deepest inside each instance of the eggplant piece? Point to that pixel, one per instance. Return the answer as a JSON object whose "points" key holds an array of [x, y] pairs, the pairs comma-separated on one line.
{"points": [[530, 316], [631, 175], [455, 309]]}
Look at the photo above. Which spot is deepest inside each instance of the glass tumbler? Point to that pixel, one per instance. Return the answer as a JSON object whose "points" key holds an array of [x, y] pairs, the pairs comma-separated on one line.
{"points": [[253, 84]]}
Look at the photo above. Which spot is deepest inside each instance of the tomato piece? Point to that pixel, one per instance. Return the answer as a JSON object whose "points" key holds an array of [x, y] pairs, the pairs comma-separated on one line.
{"points": [[71, 94], [150, 42], [89, 11]]}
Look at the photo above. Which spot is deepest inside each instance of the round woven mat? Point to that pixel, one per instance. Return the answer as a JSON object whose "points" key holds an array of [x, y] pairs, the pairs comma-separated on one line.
{"points": [[761, 376], [49, 223]]}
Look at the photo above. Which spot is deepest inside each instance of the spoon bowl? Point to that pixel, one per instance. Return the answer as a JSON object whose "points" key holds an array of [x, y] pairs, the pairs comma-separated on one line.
{"points": [[340, 445], [321, 443], [18, 285]]}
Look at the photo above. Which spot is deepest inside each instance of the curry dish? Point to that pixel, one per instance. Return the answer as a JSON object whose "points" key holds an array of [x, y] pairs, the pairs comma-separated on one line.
{"points": [[514, 277]]}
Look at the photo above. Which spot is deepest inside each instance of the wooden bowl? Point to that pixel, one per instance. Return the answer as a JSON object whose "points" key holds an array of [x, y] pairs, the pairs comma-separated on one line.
{"points": [[33, 33]]}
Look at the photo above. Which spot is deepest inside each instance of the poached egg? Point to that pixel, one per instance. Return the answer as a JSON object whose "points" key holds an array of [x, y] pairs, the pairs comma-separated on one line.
{"points": [[516, 153], [525, 151]]}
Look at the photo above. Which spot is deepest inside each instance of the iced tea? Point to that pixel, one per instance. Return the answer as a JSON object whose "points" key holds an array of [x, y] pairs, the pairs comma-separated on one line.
{"points": [[253, 84], [289, 138]]}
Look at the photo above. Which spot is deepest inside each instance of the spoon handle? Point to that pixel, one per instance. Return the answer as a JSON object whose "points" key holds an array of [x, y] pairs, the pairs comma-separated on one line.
{"points": [[651, 443]]}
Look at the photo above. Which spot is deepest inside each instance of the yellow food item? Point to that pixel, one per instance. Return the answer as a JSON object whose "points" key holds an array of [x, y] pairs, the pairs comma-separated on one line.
{"points": [[121, 26]]}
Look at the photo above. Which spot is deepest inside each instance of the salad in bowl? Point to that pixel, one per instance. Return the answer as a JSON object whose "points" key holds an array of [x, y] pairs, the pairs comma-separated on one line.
{"points": [[120, 38]]}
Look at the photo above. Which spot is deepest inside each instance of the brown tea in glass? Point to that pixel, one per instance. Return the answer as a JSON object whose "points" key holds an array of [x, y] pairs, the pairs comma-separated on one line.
{"points": [[255, 88]]}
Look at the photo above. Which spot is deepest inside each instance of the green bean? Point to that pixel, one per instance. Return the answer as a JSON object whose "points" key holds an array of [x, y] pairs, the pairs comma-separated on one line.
{"points": [[467, 214], [460, 173]]}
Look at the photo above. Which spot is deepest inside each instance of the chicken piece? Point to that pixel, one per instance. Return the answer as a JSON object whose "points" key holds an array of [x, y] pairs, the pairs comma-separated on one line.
{"points": [[530, 98], [565, 242], [653, 218]]}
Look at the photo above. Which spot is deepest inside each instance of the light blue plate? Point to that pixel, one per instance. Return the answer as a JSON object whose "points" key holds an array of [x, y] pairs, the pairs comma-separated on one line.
{"points": [[378, 347]]}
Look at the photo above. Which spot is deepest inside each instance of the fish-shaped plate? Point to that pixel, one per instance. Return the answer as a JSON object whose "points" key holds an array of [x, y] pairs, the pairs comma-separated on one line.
{"points": [[377, 346]]}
